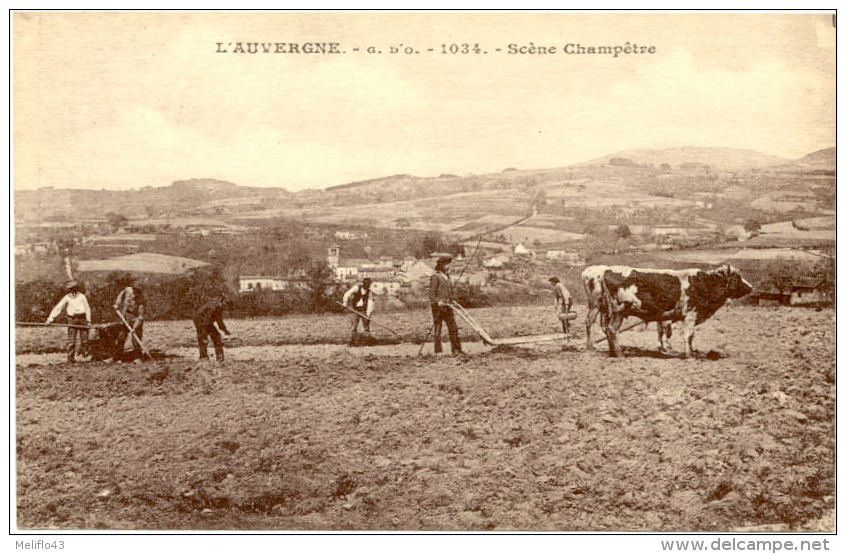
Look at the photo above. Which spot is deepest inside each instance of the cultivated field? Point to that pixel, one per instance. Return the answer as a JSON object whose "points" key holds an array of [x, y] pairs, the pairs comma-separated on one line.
{"points": [[528, 235], [441, 213], [308, 436]]}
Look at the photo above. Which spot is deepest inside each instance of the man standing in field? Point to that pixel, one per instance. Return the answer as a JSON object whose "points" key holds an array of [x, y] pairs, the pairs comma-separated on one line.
{"points": [[130, 304], [79, 317], [563, 303], [359, 298], [210, 313], [440, 295]]}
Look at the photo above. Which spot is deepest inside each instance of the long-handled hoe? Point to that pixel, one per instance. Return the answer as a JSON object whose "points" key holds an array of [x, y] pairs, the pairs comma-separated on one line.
{"points": [[132, 333]]}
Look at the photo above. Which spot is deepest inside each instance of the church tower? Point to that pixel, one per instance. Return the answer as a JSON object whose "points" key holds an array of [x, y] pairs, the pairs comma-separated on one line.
{"points": [[333, 257]]}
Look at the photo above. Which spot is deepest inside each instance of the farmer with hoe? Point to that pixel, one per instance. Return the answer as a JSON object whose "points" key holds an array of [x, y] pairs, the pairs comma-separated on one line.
{"points": [[129, 304], [440, 297], [359, 299], [79, 319]]}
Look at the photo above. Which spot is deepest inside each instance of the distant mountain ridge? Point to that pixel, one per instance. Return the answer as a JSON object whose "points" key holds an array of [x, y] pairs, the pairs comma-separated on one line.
{"points": [[717, 158]]}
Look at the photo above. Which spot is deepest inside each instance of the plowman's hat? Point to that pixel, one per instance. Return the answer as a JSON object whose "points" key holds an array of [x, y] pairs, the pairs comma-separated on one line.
{"points": [[443, 260], [71, 284], [553, 279]]}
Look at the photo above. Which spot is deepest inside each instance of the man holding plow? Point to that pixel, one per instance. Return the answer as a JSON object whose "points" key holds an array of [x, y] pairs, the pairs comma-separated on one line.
{"points": [[440, 297]]}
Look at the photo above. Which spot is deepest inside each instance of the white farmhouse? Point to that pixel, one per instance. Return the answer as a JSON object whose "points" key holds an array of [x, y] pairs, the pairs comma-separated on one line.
{"points": [[248, 283]]}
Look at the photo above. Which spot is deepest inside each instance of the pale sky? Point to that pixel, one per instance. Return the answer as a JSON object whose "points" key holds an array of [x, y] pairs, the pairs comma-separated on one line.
{"points": [[124, 100]]}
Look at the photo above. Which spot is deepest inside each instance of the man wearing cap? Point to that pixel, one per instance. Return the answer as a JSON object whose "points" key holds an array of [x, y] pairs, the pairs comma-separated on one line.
{"points": [[79, 317], [563, 303], [358, 298], [130, 304], [440, 295]]}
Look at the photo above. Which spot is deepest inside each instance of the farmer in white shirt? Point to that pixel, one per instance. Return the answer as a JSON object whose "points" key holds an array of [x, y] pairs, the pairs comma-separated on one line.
{"points": [[79, 316], [358, 298]]}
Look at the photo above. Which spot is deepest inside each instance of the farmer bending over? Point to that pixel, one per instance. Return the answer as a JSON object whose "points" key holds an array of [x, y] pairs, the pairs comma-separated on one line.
{"points": [[210, 313], [563, 303]]}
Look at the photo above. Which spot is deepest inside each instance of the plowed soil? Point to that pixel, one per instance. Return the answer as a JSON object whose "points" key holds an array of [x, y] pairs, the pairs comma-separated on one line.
{"points": [[741, 437]]}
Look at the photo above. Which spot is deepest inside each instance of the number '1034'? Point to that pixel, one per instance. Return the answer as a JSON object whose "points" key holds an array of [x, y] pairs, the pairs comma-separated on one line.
{"points": [[463, 48]]}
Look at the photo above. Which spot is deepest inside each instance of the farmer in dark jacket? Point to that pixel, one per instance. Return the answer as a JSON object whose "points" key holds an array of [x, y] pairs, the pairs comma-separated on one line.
{"points": [[210, 313], [440, 295]]}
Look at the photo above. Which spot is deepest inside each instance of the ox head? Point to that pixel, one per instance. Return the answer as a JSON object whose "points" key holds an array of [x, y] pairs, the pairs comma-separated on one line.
{"points": [[736, 285]]}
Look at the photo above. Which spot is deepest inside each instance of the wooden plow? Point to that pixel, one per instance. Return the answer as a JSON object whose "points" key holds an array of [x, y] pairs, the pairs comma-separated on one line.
{"points": [[528, 339], [490, 341]]}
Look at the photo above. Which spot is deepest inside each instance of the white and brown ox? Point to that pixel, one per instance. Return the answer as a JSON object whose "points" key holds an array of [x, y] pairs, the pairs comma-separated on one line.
{"points": [[663, 295]]}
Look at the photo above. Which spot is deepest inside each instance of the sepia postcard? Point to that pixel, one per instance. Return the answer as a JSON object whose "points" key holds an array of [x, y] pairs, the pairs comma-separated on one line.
{"points": [[373, 271]]}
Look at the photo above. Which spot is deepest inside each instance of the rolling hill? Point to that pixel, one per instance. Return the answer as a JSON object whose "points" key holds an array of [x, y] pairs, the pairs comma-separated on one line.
{"points": [[821, 159], [179, 196]]}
